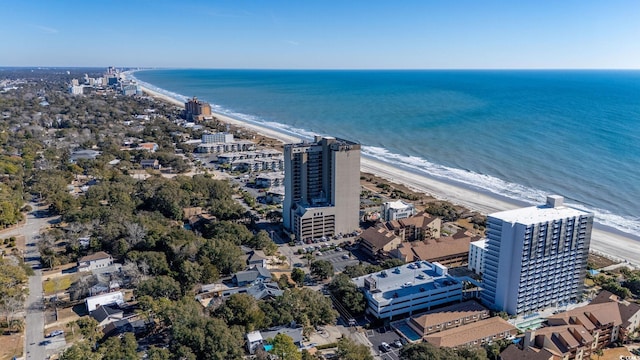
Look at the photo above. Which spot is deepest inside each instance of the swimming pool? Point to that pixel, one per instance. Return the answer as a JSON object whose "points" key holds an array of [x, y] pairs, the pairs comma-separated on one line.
{"points": [[407, 331]]}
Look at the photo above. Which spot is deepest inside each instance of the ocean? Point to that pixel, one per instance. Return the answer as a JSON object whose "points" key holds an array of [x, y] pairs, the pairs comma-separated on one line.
{"points": [[517, 134]]}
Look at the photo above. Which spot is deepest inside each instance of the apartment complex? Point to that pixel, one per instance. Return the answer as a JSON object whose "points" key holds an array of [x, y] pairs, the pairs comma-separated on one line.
{"points": [[536, 257], [476, 256], [419, 227], [396, 210], [448, 317], [408, 288], [450, 251], [475, 334], [579, 333], [322, 188], [219, 137]]}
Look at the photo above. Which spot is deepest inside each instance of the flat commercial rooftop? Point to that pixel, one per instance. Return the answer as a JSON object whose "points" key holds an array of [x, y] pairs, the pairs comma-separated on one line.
{"points": [[538, 214], [407, 279]]}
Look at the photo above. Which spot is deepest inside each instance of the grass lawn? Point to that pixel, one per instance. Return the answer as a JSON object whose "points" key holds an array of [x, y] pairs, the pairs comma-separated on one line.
{"points": [[59, 283]]}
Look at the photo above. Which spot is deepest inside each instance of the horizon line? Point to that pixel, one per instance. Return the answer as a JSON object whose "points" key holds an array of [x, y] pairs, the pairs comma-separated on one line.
{"points": [[138, 68]]}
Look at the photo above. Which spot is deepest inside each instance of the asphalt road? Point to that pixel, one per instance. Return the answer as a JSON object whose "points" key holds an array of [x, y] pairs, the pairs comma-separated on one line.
{"points": [[34, 319]]}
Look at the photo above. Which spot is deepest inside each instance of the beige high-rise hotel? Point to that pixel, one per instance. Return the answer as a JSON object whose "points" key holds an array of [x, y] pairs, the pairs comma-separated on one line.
{"points": [[322, 188]]}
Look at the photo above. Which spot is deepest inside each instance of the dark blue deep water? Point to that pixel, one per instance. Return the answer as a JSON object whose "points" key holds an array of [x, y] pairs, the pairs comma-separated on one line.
{"points": [[519, 134]]}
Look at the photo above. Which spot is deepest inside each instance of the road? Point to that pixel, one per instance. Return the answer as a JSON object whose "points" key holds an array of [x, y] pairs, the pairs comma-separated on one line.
{"points": [[34, 322]]}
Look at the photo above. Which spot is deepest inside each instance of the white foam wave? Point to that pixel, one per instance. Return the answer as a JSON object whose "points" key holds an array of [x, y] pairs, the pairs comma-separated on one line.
{"points": [[495, 185], [417, 164]]}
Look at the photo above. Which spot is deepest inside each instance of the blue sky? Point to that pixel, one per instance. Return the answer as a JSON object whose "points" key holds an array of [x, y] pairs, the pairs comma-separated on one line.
{"points": [[322, 34]]}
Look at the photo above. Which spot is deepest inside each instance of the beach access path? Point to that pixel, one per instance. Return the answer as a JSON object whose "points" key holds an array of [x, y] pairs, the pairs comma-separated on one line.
{"points": [[607, 242]]}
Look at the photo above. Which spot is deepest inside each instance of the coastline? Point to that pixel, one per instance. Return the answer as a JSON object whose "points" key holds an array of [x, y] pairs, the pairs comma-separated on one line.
{"points": [[607, 241]]}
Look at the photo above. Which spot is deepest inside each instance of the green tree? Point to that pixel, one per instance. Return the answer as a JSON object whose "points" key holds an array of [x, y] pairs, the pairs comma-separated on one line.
{"points": [[155, 353], [160, 286], [322, 269], [298, 276], [224, 254], [81, 350], [348, 294], [242, 310], [349, 350], [116, 348], [285, 349]]}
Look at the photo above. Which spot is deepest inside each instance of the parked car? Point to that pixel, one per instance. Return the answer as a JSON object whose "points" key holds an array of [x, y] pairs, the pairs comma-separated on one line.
{"points": [[345, 256], [55, 333], [397, 343], [384, 347]]}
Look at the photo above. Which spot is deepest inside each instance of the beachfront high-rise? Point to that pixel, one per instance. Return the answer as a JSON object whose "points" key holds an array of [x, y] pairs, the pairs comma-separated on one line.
{"points": [[322, 188], [536, 257]]}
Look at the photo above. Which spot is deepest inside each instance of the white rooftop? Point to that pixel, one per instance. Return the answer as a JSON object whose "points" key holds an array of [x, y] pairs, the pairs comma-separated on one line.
{"points": [[398, 204], [408, 278], [552, 210], [482, 243]]}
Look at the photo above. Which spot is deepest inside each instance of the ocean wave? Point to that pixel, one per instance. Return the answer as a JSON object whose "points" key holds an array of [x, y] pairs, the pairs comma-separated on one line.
{"points": [[626, 224], [482, 182]]}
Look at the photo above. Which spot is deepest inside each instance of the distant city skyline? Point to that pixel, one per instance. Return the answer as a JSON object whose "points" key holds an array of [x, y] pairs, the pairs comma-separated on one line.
{"points": [[413, 34]]}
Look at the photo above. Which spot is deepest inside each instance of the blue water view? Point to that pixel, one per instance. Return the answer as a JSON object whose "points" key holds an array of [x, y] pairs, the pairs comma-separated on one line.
{"points": [[518, 134]]}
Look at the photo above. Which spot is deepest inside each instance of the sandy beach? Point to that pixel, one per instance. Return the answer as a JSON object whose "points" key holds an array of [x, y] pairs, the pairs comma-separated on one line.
{"points": [[609, 243]]}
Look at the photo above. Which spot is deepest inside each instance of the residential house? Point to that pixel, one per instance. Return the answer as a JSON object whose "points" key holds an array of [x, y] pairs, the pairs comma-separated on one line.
{"points": [[256, 258], [256, 339], [151, 147], [106, 314], [113, 298], [254, 274], [125, 325], [150, 164], [95, 261]]}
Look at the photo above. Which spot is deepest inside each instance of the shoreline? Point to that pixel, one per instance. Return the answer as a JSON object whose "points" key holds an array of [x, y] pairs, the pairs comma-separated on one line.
{"points": [[604, 239]]}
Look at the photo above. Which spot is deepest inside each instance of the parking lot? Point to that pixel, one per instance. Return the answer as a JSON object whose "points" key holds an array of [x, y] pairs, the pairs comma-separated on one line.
{"points": [[339, 259], [387, 335]]}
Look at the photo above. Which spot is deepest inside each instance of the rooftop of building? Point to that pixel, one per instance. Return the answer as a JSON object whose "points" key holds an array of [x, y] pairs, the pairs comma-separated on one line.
{"points": [[318, 139], [590, 316], [562, 339], [470, 332], [444, 246], [399, 204], [420, 220], [271, 175], [448, 313], [514, 353], [482, 243], [552, 210], [378, 237], [407, 279], [627, 309], [93, 257]]}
